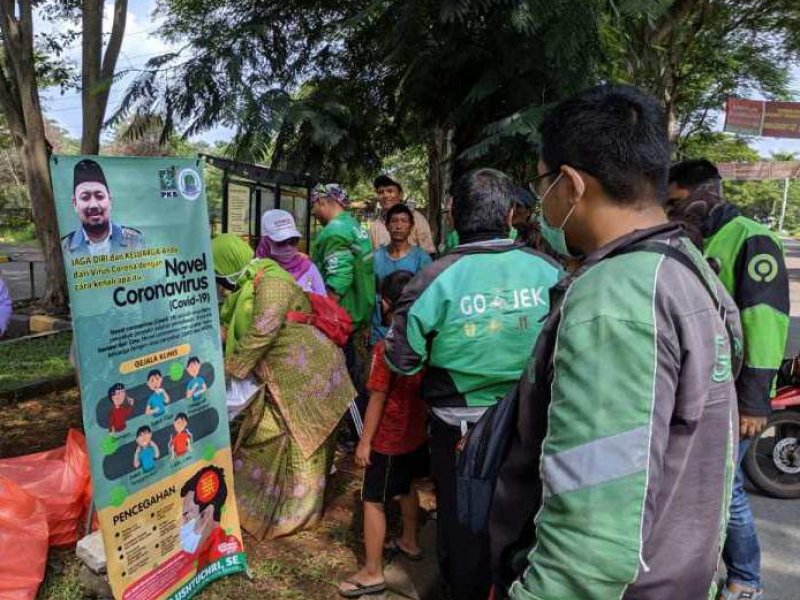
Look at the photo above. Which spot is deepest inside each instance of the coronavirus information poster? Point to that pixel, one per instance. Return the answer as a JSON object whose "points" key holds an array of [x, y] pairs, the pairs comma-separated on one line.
{"points": [[136, 245]]}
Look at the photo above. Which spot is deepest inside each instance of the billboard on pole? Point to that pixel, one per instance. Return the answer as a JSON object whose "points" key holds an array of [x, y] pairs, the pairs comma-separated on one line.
{"points": [[762, 118]]}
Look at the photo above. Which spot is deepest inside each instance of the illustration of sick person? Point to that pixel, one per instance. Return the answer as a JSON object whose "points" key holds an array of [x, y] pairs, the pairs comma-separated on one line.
{"points": [[181, 441], [147, 451], [158, 400], [121, 408], [202, 535], [196, 386]]}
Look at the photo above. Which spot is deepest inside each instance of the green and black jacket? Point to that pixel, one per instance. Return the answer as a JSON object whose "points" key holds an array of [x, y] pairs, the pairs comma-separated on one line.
{"points": [[752, 268], [471, 319], [618, 478]]}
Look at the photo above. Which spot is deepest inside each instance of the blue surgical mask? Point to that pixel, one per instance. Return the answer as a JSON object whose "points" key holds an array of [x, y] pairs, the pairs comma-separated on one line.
{"points": [[189, 537], [555, 235]]}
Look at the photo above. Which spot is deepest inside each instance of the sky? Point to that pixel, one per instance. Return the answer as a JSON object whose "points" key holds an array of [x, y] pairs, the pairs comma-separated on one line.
{"points": [[139, 45], [142, 43]]}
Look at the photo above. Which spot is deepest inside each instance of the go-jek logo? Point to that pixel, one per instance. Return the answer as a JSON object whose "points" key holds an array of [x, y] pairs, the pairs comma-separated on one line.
{"points": [[478, 304]]}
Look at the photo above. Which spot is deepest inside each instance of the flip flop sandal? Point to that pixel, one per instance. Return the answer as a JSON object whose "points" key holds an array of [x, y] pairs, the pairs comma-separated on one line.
{"points": [[360, 589], [394, 547]]}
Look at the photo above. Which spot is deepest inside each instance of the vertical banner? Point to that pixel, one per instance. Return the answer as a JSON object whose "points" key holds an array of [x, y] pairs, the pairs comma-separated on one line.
{"points": [[136, 245]]}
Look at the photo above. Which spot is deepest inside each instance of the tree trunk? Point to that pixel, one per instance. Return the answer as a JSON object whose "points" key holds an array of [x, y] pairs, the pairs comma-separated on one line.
{"points": [[92, 42], [98, 70], [37, 178], [37, 170], [439, 176]]}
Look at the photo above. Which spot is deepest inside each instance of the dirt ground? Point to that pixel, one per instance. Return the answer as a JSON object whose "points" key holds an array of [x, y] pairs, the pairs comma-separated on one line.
{"points": [[39, 424]]}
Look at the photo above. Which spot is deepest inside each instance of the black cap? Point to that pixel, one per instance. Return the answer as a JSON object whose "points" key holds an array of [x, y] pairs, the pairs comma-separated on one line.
{"points": [[88, 170], [384, 180]]}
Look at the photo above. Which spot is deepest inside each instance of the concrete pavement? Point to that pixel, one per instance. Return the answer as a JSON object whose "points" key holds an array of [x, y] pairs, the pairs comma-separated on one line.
{"points": [[16, 274], [778, 521]]}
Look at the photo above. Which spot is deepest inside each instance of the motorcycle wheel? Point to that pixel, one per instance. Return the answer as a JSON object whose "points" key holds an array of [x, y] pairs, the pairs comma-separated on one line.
{"points": [[773, 459]]}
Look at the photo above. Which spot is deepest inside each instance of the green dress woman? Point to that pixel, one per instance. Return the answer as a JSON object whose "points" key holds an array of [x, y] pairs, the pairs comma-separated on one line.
{"points": [[284, 449]]}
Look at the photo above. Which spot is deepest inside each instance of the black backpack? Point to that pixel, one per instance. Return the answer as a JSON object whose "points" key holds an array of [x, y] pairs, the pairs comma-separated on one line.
{"points": [[483, 449]]}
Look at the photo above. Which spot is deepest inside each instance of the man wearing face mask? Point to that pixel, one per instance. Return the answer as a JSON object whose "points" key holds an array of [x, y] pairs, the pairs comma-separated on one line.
{"points": [[615, 484], [470, 319], [750, 261], [203, 497]]}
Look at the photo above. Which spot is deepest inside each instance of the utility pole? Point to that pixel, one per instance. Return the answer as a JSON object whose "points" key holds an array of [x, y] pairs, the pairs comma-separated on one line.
{"points": [[783, 205]]}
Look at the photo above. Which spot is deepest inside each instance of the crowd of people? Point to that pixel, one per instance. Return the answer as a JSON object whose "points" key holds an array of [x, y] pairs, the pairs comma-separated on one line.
{"points": [[629, 320]]}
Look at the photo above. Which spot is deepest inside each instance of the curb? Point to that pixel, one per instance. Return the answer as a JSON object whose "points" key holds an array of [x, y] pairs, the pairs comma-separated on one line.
{"points": [[43, 323], [37, 388], [22, 325]]}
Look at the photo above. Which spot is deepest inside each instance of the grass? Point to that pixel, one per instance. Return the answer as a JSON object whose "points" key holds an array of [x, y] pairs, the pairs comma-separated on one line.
{"points": [[18, 235], [61, 581], [27, 360]]}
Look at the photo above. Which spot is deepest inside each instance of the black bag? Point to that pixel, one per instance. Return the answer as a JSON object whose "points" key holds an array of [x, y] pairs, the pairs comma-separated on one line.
{"points": [[483, 449], [478, 458]]}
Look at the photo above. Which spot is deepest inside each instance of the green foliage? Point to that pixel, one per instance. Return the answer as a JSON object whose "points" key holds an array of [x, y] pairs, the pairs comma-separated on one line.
{"points": [[408, 166], [18, 235], [692, 55], [333, 91], [337, 89], [717, 147]]}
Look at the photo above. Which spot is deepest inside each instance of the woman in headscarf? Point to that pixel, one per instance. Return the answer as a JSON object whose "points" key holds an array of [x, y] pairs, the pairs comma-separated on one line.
{"points": [[284, 448], [279, 238]]}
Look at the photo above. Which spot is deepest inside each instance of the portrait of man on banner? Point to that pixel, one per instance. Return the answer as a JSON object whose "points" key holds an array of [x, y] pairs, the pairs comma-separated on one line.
{"points": [[97, 233]]}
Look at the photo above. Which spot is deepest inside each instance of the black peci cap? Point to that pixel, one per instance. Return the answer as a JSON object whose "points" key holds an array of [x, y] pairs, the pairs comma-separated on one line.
{"points": [[88, 170]]}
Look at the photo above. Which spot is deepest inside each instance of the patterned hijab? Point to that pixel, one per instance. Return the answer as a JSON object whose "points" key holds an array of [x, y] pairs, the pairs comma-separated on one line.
{"points": [[234, 260]]}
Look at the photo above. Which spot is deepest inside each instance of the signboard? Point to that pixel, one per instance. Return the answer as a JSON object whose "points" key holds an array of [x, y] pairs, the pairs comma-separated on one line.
{"points": [[238, 209], [144, 311], [759, 117], [788, 169]]}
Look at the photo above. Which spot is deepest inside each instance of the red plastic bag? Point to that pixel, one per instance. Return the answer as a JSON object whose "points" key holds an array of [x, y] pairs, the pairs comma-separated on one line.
{"points": [[23, 542], [59, 479]]}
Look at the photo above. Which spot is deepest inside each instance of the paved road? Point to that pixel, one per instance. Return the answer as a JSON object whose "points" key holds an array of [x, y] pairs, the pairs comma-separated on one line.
{"points": [[16, 274], [778, 521]]}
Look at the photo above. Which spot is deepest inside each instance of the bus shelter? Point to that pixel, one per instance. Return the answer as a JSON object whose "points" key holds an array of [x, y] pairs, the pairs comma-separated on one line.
{"points": [[248, 190]]}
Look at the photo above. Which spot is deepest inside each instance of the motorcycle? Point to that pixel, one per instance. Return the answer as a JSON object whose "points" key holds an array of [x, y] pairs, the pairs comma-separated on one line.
{"points": [[773, 460]]}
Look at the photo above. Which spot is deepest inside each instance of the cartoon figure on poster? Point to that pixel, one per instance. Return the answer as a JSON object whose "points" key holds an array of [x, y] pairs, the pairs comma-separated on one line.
{"points": [[97, 233], [158, 400], [196, 386], [147, 452], [121, 408], [181, 441], [203, 501]]}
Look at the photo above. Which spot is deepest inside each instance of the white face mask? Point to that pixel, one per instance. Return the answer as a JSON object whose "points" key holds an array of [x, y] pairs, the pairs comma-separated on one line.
{"points": [[234, 278], [189, 537]]}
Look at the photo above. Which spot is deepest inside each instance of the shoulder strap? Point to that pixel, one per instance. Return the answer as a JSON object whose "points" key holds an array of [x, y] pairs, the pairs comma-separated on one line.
{"points": [[672, 252]]}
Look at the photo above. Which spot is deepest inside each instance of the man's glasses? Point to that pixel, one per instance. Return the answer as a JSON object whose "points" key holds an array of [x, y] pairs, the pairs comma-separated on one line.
{"points": [[533, 185]]}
